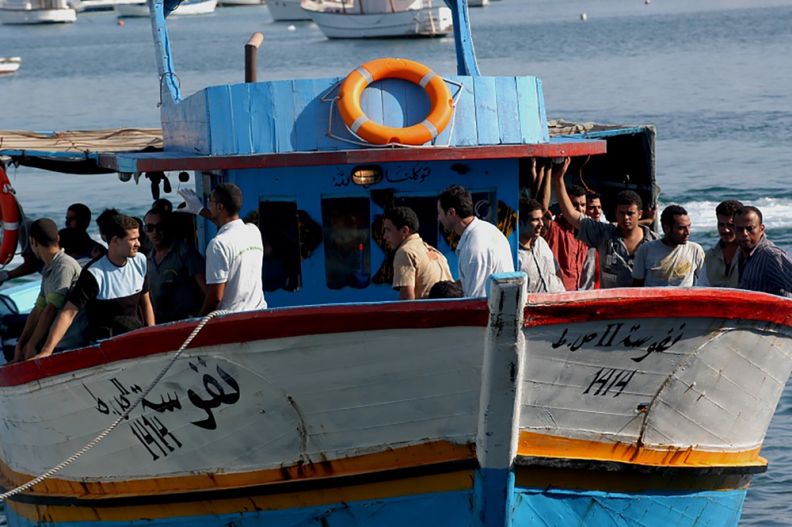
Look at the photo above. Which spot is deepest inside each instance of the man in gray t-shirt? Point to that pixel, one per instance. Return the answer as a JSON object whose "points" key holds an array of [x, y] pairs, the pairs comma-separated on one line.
{"points": [[59, 274], [672, 261], [616, 244]]}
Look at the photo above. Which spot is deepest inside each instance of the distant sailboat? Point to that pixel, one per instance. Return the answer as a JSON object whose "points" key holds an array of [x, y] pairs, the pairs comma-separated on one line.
{"points": [[380, 18], [36, 12], [285, 10], [187, 7], [9, 65]]}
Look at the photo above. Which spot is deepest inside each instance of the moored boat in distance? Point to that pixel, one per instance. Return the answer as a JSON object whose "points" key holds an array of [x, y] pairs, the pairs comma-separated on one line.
{"points": [[98, 5], [185, 8], [344, 406], [380, 18], [9, 65], [19, 12], [234, 3], [286, 10]]}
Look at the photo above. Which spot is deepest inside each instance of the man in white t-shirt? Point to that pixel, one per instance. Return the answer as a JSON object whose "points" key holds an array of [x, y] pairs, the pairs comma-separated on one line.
{"points": [[672, 260], [482, 249], [233, 257]]}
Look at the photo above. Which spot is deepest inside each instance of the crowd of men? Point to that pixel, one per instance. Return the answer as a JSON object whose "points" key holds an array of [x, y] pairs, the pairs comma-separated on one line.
{"points": [[149, 273]]}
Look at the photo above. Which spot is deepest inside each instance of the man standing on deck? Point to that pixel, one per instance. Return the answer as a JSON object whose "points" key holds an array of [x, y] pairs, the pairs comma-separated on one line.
{"points": [[113, 290], [720, 262], [616, 244], [59, 274], [234, 257], [672, 261], [417, 266], [764, 267], [482, 249]]}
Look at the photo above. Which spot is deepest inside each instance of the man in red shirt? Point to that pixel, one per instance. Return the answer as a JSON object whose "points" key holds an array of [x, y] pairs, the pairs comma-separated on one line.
{"points": [[570, 252]]}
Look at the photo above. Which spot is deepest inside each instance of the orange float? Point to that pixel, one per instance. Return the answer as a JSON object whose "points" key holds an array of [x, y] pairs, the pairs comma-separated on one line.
{"points": [[10, 216], [440, 100]]}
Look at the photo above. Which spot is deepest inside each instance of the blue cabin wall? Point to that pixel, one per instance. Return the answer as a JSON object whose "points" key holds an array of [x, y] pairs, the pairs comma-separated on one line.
{"points": [[290, 116], [308, 186]]}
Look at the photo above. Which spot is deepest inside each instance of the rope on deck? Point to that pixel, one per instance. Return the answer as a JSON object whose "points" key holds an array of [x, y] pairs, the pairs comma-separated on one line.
{"points": [[98, 439]]}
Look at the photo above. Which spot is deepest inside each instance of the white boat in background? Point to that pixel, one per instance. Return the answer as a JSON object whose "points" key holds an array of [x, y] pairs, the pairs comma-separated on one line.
{"points": [[98, 5], [478, 3], [285, 10], [187, 7], [380, 18], [9, 65], [36, 12], [234, 3]]}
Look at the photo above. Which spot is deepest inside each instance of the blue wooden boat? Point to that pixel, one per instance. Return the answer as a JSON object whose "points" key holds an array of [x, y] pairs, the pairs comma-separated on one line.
{"points": [[343, 407]]}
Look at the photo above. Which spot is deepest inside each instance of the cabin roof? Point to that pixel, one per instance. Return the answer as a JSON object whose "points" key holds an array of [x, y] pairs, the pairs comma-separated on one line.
{"points": [[140, 149]]}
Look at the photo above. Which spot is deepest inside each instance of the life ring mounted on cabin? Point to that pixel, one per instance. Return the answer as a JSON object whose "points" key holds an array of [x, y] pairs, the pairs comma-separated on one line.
{"points": [[10, 216], [440, 100]]}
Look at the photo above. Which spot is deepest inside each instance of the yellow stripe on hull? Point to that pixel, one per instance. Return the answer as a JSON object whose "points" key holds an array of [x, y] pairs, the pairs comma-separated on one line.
{"points": [[541, 445]]}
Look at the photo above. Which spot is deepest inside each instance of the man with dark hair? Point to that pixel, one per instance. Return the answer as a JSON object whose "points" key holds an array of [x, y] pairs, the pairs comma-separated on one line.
{"points": [[535, 257], [446, 289], [175, 271], [482, 249], [616, 244], [720, 262], [672, 261], [417, 266], [561, 235], [594, 206], [234, 256], [59, 274], [763, 266], [74, 237], [113, 290], [78, 216]]}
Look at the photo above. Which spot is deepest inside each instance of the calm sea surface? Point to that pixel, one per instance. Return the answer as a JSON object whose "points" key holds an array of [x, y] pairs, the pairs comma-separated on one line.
{"points": [[715, 77]]}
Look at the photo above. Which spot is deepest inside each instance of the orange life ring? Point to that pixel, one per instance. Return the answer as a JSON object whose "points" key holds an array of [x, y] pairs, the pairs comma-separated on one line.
{"points": [[440, 100], [9, 214]]}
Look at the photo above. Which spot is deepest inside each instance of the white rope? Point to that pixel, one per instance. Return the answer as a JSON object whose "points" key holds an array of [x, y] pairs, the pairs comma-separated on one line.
{"points": [[95, 441]]}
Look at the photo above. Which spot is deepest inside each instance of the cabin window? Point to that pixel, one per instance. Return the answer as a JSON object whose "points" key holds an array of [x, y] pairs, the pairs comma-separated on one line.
{"points": [[279, 226], [347, 240]]}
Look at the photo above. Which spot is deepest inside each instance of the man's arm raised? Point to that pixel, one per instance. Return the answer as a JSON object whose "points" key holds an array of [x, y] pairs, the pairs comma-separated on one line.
{"points": [[567, 209]]}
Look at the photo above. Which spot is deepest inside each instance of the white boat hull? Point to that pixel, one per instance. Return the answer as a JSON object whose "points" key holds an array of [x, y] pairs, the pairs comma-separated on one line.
{"points": [[286, 10], [204, 7], [9, 65], [299, 394], [234, 3], [423, 22], [478, 3], [37, 16], [99, 5]]}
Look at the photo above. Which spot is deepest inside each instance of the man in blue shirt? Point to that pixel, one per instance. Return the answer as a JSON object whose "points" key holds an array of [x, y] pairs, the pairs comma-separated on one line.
{"points": [[764, 267]]}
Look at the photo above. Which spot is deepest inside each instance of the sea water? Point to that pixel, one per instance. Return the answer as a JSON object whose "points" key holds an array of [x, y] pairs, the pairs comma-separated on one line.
{"points": [[714, 76]]}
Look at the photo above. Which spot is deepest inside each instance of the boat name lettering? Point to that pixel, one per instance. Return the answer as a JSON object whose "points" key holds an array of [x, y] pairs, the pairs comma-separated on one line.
{"points": [[607, 379], [418, 174], [614, 335], [151, 433], [216, 394]]}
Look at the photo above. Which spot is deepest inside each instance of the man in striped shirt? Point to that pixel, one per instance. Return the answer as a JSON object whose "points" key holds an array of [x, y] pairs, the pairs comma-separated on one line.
{"points": [[763, 266]]}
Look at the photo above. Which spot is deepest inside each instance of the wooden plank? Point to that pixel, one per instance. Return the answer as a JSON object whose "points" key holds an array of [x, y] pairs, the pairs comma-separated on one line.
{"points": [[394, 101], [531, 123], [338, 128], [240, 108], [508, 110], [262, 121], [542, 110], [221, 132], [323, 140], [306, 116], [486, 111], [464, 133], [282, 116], [371, 102]]}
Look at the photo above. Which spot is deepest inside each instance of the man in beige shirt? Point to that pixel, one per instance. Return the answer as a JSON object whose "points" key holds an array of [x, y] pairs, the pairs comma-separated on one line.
{"points": [[417, 266]]}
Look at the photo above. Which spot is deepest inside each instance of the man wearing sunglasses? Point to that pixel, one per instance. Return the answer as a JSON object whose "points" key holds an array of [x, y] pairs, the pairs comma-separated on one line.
{"points": [[175, 271]]}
